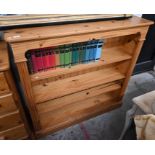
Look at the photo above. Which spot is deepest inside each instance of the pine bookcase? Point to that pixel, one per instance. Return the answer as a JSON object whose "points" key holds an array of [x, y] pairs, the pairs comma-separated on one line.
{"points": [[65, 96]]}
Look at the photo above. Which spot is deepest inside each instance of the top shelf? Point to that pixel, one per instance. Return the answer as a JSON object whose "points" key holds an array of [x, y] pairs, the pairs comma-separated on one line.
{"points": [[109, 56]]}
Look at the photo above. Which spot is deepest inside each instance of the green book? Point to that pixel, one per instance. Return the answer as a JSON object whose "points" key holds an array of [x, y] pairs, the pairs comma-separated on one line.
{"points": [[67, 54], [75, 54], [62, 56]]}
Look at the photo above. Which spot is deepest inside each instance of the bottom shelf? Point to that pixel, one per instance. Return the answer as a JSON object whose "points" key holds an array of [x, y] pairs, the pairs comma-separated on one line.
{"points": [[77, 112]]}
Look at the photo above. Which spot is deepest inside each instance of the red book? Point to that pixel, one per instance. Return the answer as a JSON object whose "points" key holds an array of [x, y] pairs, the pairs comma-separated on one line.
{"points": [[39, 60], [50, 58], [53, 59], [45, 59], [34, 62]]}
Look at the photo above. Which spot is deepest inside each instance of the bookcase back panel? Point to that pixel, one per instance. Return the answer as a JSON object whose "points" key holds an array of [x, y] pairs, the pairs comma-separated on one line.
{"points": [[78, 111], [61, 102]]}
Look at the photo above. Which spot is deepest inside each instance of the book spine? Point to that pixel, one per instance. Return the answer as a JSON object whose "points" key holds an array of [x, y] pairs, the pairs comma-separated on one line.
{"points": [[91, 51], [53, 59], [87, 52], [73, 54], [34, 62], [29, 62], [99, 50], [62, 57], [84, 54], [67, 56], [44, 59], [77, 53], [39, 60], [94, 49], [80, 53], [57, 57]]}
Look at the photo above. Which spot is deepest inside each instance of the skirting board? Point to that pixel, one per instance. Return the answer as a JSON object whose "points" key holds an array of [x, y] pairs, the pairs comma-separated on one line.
{"points": [[144, 66]]}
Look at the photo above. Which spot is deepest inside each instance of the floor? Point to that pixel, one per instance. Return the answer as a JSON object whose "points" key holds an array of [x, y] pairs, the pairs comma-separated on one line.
{"points": [[108, 126]]}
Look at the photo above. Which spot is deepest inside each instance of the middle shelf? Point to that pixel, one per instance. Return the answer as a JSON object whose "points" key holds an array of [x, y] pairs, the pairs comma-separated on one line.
{"points": [[51, 90]]}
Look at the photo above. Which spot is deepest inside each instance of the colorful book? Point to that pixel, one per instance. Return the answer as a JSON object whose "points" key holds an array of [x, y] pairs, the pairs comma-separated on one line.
{"points": [[84, 52], [34, 62], [29, 62], [38, 60], [99, 50], [62, 56], [75, 54], [57, 56], [80, 47], [91, 51], [95, 42], [67, 55], [87, 52]]}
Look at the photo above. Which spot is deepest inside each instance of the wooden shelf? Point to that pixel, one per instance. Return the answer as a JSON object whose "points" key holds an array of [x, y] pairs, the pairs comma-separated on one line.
{"points": [[61, 102], [78, 111], [52, 90], [110, 56]]}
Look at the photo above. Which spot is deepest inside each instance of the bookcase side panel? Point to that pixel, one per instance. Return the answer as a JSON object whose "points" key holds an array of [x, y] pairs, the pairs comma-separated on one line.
{"points": [[26, 84], [139, 42]]}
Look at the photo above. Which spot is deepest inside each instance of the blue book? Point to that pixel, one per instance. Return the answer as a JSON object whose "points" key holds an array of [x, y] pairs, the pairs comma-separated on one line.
{"points": [[75, 54], [94, 49], [87, 51], [91, 51], [99, 50]]}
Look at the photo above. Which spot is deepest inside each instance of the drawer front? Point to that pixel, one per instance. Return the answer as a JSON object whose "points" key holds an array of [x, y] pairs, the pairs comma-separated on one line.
{"points": [[3, 84], [10, 120], [7, 104], [58, 103], [18, 132]]}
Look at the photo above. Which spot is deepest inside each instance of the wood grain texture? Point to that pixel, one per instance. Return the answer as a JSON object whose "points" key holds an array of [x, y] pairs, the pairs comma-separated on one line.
{"points": [[65, 30], [71, 85], [53, 18], [4, 60], [20, 48], [135, 54], [56, 104], [15, 133], [10, 120], [7, 104], [17, 101], [79, 111], [58, 99], [4, 88], [25, 80]]}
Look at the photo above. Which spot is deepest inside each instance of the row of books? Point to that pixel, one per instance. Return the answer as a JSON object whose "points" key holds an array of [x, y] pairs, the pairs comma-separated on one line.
{"points": [[64, 55]]}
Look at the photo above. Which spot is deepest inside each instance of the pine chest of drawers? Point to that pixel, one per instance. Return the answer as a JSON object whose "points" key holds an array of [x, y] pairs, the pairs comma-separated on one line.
{"points": [[13, 124]]}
